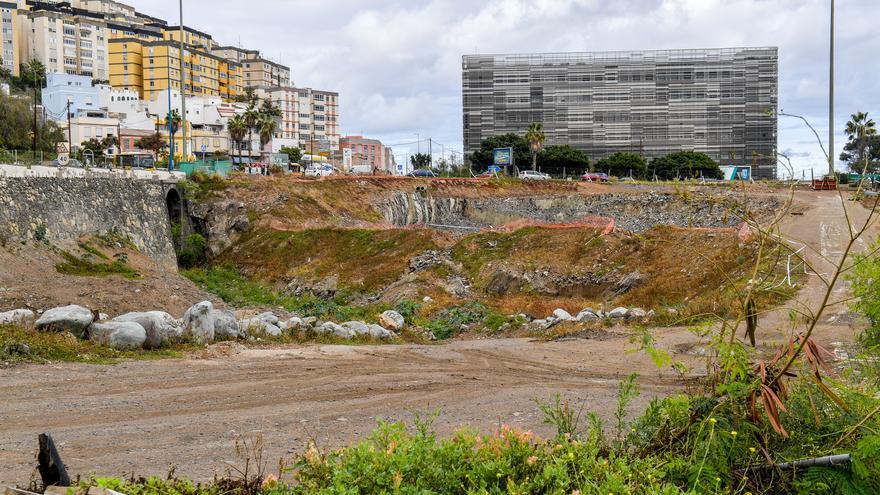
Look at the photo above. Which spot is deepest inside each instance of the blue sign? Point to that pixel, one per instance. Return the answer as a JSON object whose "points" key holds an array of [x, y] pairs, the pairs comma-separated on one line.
{"points": [[502, 157], [494, 168]]}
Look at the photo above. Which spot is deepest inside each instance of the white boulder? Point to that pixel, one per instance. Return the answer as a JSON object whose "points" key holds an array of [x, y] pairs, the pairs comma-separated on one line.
{"points": [[18, 316], [198, 323], [119, 335], [392, 320], [561, 314], [637, 313], [358, 327], [256, 327], [586, 315], [226, 327], [74, 319], [161, 327], [330, 328], [618, 313], [377, 332]]}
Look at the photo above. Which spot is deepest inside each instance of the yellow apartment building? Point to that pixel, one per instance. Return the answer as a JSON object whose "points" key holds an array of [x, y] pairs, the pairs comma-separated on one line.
{"points": [[148, 66], [9, 36]]}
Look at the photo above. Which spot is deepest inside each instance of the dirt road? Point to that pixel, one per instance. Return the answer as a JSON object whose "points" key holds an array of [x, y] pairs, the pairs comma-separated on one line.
{"points": [[145, 416]]}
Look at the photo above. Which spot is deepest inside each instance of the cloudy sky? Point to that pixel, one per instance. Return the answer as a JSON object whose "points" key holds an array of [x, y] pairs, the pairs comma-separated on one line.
{"points": [[397, 63]]}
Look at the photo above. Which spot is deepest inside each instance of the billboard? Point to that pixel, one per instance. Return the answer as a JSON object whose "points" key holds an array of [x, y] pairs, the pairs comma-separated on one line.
{"points": [[502, 157]]}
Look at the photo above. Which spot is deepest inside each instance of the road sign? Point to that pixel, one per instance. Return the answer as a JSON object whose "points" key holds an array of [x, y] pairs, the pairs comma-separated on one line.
{"points": [[502, 157], [204, 148], [60, 148], [494, 168], [63, 159]]}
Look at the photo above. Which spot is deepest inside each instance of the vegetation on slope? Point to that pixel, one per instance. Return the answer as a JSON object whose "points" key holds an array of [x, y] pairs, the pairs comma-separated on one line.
{"points": [[362, 260]]}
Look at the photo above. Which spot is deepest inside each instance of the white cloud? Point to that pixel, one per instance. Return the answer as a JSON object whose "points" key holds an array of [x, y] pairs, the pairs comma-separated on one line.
{"points": [[397, 63]]}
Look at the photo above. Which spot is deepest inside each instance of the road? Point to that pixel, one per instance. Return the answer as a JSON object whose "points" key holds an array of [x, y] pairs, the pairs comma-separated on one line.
{"points": [[144, 416]]}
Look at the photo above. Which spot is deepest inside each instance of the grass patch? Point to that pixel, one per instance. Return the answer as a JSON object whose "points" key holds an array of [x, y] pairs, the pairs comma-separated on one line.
{"points": [[227, 283], [20, 344], [85, 246], [363, 260], [87, 268]]}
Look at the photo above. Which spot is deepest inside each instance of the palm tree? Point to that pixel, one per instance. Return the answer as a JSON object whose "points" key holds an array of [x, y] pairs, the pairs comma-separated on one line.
{"points": [[266, 127], [237, 130], [860, 129], [535, 137], [251, 117]]}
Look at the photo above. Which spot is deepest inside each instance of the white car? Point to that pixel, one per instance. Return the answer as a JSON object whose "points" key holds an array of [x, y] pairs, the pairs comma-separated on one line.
{"points": [[319, 170], [533, 175]]}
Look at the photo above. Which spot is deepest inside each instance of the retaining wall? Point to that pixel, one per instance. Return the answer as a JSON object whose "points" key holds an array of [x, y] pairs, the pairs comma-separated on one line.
{"points": [[69, 208]]}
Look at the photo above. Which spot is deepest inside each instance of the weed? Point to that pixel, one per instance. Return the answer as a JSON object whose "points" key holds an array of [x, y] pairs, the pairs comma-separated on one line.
{"points": [[85, 246], [40, 233], [560, 413], [86, 268]]}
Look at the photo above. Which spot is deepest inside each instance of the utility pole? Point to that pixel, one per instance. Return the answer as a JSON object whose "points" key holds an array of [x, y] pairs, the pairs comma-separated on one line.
{"points": [[69, 133], [182, 89], [35, 111], [118, 143], [168, 122], [831, 98], [430, 153]]}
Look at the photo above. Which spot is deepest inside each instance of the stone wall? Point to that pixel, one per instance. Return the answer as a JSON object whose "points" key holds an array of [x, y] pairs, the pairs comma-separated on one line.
{"points": [[72, 207]]}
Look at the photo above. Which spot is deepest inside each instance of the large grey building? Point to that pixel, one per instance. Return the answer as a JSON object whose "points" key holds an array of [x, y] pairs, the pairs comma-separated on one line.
{"points": [[718, 101]]}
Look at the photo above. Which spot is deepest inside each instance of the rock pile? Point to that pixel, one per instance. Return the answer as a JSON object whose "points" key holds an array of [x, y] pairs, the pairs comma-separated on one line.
{"points": [[201, 324], [589, 314]]}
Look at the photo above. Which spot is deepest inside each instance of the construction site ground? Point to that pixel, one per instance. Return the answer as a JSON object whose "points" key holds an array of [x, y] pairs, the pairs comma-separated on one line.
{"points": [[144, 417]]}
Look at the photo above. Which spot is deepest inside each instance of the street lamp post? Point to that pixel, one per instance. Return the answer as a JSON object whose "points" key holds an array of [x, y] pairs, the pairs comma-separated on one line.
{"points": [[831, 98], [182, 89]]}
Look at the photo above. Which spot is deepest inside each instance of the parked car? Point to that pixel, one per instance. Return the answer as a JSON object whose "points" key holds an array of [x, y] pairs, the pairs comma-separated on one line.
{"points": [[533, 175], [319, 170], [595, 177], [422, 172]]}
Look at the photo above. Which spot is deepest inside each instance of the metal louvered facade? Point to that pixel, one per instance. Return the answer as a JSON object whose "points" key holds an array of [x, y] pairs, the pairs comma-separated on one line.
{"points": [[722, 102]]}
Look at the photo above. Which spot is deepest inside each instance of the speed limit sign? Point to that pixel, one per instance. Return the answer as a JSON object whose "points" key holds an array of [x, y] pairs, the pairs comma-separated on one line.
{"points": [[63, 159]]}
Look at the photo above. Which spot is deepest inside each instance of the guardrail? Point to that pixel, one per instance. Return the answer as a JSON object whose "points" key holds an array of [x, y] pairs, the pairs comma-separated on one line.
{"points": [[7, 170]]}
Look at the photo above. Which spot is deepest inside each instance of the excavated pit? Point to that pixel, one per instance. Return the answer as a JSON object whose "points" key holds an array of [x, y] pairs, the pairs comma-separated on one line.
{"points": [[634, 213]]}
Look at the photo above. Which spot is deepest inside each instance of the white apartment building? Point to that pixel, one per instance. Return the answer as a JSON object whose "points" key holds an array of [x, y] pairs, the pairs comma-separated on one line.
{"points": [[64, 43], [307, 115]]}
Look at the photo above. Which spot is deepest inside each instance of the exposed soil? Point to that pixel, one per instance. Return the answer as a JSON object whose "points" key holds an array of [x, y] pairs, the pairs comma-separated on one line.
{"points": [[29, 279], [145, 416]]}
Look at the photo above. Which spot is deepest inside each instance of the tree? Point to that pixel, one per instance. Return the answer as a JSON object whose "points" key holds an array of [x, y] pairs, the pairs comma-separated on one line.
{"points": [[237, 130], [482, 158], [5, 74], [176, 121], [293, 153], [562, 158], [16, 125], [535, 137], [862, 132], [266, 128], [685, 164], [622, 163], [420, 160], [153, 142], [251, 116], [32, 74]]}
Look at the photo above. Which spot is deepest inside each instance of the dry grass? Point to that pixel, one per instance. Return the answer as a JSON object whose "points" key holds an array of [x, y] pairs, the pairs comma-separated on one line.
{"points": [[363, 260]]}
